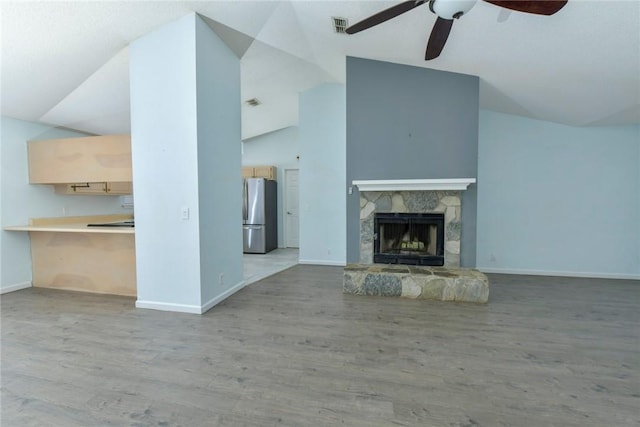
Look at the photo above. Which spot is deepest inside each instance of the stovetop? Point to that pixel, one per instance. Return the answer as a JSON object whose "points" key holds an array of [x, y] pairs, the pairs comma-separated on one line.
{"points": [[126, 223]]}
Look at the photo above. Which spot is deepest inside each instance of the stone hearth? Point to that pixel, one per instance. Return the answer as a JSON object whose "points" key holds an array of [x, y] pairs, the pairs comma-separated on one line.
{"points": [[435, 283], [448, 283]]}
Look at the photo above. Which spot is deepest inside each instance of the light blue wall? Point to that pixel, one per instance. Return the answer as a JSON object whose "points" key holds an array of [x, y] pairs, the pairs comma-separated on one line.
{"points": [[555, 199], [164, 154], [219, 163], [322, 127], [180, 137], [2, 233], [21, 200], [280, 149], [408, 122]]}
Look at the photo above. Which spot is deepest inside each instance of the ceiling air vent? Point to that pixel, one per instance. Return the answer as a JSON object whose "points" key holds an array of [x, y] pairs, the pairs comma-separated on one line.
{"points": [[339, 24], [253, 102]]}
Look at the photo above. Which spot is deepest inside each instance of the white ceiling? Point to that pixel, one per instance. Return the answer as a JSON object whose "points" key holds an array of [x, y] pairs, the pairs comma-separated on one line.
{"points": [[66, 63]]}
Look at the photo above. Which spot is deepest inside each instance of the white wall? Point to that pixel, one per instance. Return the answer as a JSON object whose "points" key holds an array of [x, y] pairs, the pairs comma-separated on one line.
{"points": [[280, 149], [558, 200], [322, 129], [185, 129], [21, 200]]}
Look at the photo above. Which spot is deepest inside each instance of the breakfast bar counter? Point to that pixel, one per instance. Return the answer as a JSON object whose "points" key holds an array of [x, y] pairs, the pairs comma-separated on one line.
{"points": [[67, 253], [77, 224]]}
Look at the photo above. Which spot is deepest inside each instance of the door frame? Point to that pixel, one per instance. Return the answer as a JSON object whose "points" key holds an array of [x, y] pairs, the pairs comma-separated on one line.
{"points": [[284, 206]]}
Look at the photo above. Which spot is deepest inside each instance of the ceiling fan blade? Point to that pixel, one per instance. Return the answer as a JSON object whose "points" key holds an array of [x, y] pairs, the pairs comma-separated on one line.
{"points": [[438, 38], [539, 7], [383, 16]]}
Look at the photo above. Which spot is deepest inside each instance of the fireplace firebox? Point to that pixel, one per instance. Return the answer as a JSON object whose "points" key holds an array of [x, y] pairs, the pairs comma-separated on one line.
{"points": [[409, 238]]}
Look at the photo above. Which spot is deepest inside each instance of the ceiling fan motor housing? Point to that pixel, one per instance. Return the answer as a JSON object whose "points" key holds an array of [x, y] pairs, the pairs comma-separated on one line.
{"points": [[451, 9]]}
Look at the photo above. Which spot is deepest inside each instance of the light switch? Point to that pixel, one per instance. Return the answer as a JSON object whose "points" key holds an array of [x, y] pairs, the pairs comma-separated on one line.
{"points": [[185, 213]]}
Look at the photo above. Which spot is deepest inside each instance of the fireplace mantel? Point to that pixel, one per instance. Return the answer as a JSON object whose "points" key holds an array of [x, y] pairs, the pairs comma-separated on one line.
{"points": [[413, 184]]}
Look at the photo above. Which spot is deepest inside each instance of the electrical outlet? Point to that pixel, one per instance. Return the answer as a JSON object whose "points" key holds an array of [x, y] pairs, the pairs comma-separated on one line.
{"points": [[221, 278]]}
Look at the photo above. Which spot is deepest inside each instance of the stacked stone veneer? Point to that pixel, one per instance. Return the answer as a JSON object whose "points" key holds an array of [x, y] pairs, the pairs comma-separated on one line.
{"points": [[435, 283], [447, 202], [448, 283]]}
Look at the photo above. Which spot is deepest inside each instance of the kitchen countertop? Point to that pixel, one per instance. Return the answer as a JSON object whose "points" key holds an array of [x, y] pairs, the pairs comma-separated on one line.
{"points": [[77, 224]]}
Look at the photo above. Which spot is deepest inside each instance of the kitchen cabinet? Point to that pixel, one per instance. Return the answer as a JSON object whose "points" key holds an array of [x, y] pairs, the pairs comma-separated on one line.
{"points": [[96, 188], [94, 159], [247, 172], [268, 172]]}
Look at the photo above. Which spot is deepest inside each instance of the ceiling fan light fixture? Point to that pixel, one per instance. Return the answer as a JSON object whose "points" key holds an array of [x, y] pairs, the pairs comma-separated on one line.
{"points": [[451, 9], [447, 11]]}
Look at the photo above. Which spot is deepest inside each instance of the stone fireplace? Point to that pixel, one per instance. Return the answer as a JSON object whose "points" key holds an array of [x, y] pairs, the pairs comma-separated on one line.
{"points": [[401, 259], [441, 196]]}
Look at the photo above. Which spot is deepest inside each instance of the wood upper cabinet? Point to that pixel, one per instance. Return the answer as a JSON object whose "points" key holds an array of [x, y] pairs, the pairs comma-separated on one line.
{"points": [[93, 159], [247, 172], [268, 172], [95, 188]]}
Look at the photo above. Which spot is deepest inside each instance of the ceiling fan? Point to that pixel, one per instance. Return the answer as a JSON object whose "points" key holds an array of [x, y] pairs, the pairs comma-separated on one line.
{"points": [[447, 11]]}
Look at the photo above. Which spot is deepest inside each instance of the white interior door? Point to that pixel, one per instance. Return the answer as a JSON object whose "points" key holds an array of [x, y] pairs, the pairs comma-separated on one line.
{"points": [[291, 219]]}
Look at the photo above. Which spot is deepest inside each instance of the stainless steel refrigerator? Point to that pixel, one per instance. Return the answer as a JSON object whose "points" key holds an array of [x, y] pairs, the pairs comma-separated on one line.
{"points": [[259, 215]]}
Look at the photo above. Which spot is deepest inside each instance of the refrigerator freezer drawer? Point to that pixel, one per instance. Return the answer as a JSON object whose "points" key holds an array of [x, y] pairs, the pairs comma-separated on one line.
{"points": [[254, 239]]}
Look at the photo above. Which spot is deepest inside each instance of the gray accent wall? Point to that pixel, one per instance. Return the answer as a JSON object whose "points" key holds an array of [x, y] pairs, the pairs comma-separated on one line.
{"points": [[407, 122]]}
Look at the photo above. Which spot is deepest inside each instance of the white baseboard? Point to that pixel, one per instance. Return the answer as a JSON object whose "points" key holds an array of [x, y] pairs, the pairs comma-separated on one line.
{"points": [[585, 274], [15, 287], [321, 262], [226, 294], [164, 306], [192, 309]]}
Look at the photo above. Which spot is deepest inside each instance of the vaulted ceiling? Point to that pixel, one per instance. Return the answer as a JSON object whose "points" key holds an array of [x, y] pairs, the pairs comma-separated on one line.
{"points": [[66, 63]]}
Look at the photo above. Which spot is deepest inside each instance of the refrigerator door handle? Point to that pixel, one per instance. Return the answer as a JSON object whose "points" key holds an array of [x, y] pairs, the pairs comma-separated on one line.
{"points": [[244, 200]]}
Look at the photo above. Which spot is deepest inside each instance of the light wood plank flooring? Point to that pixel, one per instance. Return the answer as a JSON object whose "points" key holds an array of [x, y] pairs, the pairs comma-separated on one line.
{"points": [[293, 350]]}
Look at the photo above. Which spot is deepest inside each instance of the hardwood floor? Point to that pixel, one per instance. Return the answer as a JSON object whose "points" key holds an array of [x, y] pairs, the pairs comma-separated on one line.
{"points": [[294, 350]]}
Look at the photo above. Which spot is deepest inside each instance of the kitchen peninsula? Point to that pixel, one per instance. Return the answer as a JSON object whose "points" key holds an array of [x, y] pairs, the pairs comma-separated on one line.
{"points": [[69, 254]]}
